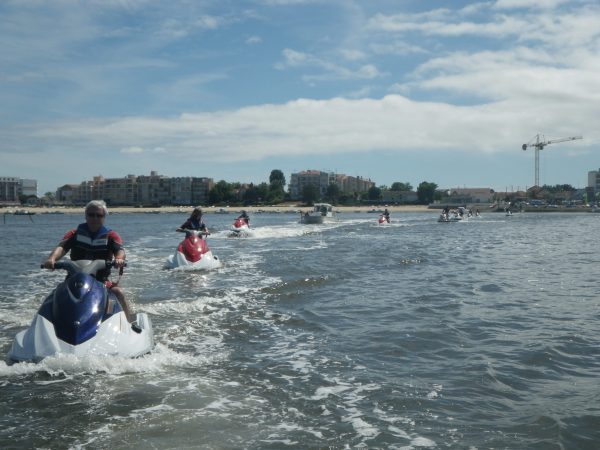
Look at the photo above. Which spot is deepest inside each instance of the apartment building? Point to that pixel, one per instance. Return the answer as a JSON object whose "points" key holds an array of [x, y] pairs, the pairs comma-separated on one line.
{"points": [[12, 188], [9, 190], [322, 180], [350, 184], [594, 180], [152, 190]]}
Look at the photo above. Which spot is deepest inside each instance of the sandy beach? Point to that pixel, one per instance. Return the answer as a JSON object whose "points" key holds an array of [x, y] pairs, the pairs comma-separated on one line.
{"points": [[286, 208]]}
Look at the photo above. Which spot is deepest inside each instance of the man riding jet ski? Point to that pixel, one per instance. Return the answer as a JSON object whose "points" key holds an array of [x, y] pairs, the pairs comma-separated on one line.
{"points": [[384, 218], [82, 317], [92, 241]]}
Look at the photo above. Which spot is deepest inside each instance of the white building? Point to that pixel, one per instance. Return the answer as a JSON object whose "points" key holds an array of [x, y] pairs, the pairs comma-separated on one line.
{"points": [[12, 188], [321, 180], [594, 180]]}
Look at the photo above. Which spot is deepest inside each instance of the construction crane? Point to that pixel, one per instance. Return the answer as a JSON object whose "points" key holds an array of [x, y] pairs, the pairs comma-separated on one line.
{"points": [[539, 145]]}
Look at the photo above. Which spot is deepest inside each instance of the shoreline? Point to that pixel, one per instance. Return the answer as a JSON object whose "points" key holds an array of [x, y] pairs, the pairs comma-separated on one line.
{"points": [[280, 209], [287, 209]]}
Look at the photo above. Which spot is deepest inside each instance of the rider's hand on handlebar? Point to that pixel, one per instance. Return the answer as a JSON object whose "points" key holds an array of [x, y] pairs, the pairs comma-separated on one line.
{"points": [[48, 264], [119, 263]]}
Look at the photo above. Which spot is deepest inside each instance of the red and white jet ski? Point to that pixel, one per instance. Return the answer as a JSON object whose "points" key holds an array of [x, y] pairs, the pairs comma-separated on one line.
{"points": [[193, 253], [383, 220], [240, 228]]}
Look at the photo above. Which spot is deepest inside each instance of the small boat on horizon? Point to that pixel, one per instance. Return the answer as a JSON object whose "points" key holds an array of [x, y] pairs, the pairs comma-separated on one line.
{"points": [[23, 212]]}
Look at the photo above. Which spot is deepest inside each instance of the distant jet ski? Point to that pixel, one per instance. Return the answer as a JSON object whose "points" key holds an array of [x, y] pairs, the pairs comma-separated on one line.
{"points": [[240, 228]]}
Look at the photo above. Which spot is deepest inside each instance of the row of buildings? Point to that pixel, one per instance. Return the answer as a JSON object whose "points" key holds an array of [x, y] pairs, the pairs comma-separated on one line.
{"points": [[156, 190], [151, 190], [322, 180]]}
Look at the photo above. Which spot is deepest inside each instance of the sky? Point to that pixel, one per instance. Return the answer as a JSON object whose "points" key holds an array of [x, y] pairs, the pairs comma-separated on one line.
{"points": [[391, 90]]}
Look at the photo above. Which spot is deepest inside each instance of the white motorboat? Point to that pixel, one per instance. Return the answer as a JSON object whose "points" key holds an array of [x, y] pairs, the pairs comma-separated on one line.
{"points": [[321, 212]]}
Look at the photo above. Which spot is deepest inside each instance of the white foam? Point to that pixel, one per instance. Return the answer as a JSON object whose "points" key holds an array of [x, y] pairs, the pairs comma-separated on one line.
{"points": [[364, 428], [160, 359], [325, 391], [422, 442]]}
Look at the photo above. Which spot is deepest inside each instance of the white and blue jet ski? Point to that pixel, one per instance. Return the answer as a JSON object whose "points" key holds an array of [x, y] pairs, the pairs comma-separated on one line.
{"points": [[81, 317]]}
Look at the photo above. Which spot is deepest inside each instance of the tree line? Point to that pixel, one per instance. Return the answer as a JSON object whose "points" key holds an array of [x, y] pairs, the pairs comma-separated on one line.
{"points": [[274, 192]]}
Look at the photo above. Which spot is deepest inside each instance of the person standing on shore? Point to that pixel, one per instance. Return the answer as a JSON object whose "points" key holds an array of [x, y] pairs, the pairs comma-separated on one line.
{"points": [[91, 240]]}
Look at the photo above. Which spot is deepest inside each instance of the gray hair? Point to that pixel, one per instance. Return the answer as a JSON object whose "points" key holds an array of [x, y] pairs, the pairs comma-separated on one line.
{"points": [[97, 204]]}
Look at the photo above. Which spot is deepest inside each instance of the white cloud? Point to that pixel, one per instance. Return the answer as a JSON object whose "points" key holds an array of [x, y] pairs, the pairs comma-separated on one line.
{"points": [[532, 4], [352, 54], [293, 58], [254, 40], [328, 70], [396, 48], [207, 22], [502, 26], [132, 150], [302, 127]]}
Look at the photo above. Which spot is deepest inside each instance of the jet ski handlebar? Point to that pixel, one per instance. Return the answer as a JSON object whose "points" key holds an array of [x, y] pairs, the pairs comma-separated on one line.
{"points": [[84, 266], [195, 232]]}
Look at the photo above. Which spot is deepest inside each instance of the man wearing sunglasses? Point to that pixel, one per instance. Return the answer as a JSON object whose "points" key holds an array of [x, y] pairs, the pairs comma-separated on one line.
{"points": [[92, 240]]}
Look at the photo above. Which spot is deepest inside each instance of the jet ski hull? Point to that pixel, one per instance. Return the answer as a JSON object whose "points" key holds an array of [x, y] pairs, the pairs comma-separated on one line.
{"points": [[113, 337]]}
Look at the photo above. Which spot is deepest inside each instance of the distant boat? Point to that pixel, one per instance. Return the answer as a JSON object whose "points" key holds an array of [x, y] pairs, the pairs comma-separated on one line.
{"points": [[321, 212], [23, 212]]}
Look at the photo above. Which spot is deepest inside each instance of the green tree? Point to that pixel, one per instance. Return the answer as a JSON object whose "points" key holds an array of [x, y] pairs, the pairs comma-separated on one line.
{"points": [[276, 187], [559, 188], [426, 192], [398, 186], [374, 193], [310, 194], [256, 194], [277, 178], [332, 193], [222, 192]]}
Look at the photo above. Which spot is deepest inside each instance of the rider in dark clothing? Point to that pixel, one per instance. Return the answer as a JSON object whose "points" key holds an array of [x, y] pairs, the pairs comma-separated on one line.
{"points": [[92, 240], [244, 217], [194, 222]]}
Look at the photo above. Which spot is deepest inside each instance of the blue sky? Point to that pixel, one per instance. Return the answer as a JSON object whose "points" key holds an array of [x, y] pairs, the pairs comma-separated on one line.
{"points": [[402, 90]]}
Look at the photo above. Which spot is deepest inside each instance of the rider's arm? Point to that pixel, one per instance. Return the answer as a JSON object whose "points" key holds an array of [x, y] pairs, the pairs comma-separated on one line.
{"points": [[120, 258], [61, 249], [54, 256], [116, 247], [185, 226]]}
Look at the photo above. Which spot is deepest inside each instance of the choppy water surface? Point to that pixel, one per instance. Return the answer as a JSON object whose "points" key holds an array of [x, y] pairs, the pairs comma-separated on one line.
{"points": [[481, 334]]}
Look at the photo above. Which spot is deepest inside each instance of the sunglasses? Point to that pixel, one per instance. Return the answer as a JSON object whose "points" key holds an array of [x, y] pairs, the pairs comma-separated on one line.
{"points": [[97, 216]]}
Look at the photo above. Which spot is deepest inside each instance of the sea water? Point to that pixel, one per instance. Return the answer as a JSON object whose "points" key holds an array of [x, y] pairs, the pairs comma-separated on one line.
{"points": [[471, 335]]}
